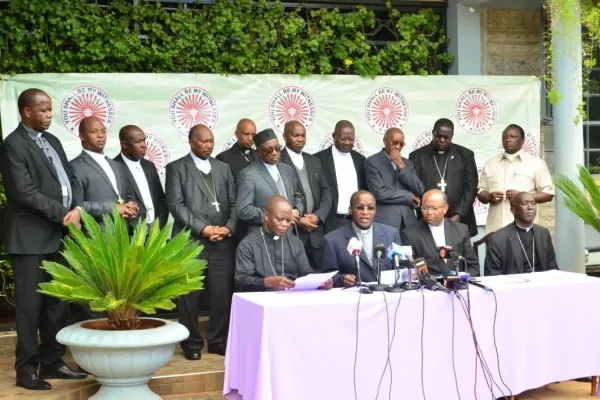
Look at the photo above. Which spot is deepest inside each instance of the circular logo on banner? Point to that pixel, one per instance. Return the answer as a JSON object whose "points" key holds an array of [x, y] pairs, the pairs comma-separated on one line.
{"points": [[422, 140], [157, 152], [530, 146], [327, 142], [230, 142], [476, 111], [478, 206], [291, 103], [192, 106], [386, 108], [83, 102]]}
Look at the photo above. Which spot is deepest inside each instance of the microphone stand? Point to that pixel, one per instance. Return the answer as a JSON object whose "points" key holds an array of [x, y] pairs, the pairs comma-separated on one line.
{"points": [[362, 289], [409, 284], [378, 287], [396, 287]]}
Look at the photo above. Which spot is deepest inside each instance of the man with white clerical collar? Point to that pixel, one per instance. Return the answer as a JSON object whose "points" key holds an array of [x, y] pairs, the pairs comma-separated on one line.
{"points": [[271, 258], [520, 247]]}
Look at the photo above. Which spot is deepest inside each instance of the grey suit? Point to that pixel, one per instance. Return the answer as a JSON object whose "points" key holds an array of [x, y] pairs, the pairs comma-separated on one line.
{"points": [[255, 188], [99, 196], [393, 190]]}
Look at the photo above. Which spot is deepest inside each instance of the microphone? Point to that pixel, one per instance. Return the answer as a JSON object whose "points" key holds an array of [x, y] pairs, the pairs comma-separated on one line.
{"points": [[354, 248], [379, 251], [429, 281], [409, 284], [480, 285]]}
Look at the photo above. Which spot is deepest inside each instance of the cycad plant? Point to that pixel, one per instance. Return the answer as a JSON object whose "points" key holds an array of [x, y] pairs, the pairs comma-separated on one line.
{"points": [[583, 203], [123, 276]]}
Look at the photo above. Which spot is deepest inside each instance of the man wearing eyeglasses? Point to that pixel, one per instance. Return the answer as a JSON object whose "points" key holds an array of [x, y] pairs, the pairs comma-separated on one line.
{"points": [[434, 235], [265, 178], [370, 234]]}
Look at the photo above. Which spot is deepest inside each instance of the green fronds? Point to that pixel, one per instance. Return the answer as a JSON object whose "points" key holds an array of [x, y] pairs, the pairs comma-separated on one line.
{"points": [[583, 203]]}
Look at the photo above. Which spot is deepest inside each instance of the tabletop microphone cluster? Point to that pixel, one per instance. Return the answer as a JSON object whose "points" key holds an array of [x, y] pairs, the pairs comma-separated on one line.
{"points": [[354, 248]]}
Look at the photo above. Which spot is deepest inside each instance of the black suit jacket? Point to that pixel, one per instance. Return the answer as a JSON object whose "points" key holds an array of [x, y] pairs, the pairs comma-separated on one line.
{"points": [[34, 210], [326, 157], [421, 240], [236, 159], [320, 191], [161, 212], [504, 254], [461, 178]]}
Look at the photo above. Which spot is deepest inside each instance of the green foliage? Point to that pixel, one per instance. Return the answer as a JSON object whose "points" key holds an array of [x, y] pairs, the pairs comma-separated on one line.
{"points": [[113, 273], [241, 37], [583, 203]]}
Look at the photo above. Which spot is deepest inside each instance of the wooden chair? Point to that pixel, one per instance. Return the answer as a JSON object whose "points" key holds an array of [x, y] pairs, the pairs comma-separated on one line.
{"points": [[593, 392]]}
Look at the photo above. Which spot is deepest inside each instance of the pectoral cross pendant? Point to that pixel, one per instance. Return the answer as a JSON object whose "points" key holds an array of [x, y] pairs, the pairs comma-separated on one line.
{"points": [[442, 185], [216, 204]]}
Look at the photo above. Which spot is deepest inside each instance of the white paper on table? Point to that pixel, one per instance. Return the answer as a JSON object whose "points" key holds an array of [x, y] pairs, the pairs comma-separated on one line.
{"points": [[389, 277], [311, 281]]}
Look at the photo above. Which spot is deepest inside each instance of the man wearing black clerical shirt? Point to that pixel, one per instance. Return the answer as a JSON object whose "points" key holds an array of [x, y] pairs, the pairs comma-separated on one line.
{"points": [[435, 231], [201, 197], [522, 246], [362, 210], [316, 194], [41, 201], [451, 168], [241, 154], [271, 258]]}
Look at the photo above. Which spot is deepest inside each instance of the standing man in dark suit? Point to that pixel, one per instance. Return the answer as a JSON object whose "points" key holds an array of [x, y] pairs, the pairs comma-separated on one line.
{"points": [[265, 178], [450, 168], [335, 253], [102, 181], [41, 202], [394, 182], [316, 195], [434, 231], [142, 175], [520, 247], [345, 171], [201, 197], [241, 154]]}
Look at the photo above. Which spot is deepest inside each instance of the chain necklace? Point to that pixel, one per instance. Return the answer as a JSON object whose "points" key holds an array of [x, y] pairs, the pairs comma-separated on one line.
{"points": [[269, 257], [212, 194], [442, 184], [531, 266]]}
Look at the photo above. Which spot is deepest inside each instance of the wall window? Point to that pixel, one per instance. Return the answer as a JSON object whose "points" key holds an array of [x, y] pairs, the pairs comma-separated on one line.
{"points": [[591, 126]]}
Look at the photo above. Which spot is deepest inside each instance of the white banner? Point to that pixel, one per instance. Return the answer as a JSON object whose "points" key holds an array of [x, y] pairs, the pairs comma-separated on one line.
{"points": [[165, 106]]}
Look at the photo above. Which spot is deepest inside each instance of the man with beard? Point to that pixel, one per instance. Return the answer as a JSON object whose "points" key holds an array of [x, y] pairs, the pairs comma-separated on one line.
{"points": [[451, 168], [520, 247], [241, 154], [201, 197], [316, 195], [265, 178], [143, 177]]}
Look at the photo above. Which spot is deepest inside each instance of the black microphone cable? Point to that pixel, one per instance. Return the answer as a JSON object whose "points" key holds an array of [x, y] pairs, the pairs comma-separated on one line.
{"points": [[496, 345], [453, 359], [387, 362], [356, 345]]}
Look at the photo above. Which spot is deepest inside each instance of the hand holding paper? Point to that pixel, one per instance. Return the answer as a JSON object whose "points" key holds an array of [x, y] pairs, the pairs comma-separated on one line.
{"points": [[314, 281]]}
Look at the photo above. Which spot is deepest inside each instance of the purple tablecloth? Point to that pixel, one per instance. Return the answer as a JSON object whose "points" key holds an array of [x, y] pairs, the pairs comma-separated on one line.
{"points": [[301, 345]]}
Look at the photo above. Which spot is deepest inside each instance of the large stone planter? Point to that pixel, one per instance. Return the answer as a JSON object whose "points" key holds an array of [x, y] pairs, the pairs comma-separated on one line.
{"points": [[123, 361]]}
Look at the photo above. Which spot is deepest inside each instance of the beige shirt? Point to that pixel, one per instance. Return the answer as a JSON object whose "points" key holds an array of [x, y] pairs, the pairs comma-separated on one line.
{"points": [[522, 172]]}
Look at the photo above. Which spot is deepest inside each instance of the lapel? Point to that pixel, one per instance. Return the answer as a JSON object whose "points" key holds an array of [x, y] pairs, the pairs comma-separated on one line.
{"points": [[387, 164], [221, 185], [267, 176], [331, 169], [515, 248], [32, 143], [116, 167], [92, 163], [350, 233], [191, 166], [130, 177], [313, 176], [452, 164], [428, 238], [538, 241], [357, 167]]}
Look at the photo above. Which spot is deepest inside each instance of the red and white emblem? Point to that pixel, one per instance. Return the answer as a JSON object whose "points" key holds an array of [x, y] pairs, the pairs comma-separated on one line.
{"points": [[230, 142], [83, 102], [530, 146], [478, 206], [157, 152], [291, 103], [386, 108], [192, 106], [476, 111], [422, 140], [327, 141]]}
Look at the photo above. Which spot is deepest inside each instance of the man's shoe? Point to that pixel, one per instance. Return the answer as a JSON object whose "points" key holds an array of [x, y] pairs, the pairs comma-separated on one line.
{"points": [[217, 350], [193, 355], [63, 372], [32, 381]]}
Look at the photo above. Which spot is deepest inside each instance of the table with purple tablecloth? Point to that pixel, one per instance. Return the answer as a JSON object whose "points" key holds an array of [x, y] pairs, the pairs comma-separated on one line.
{"points": [[302, 345]]}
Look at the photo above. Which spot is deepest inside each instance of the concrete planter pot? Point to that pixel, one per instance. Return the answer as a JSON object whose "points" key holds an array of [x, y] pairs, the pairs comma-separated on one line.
{"points": [[123, 361]]}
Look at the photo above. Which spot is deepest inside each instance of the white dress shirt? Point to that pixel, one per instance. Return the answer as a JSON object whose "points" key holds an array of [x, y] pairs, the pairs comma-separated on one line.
{"points": [[273, 170], [142, 183], [103, 162], [345, 174], [202, 165], [297, 159], [366, 240], [438, 234]]}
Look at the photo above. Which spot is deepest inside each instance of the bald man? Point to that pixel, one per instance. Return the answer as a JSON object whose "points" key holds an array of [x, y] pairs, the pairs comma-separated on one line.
{"points": [[201, 196], [520, 247], [142, 175], [241, 154], [271, 258], [394, 182], [435, 231], [40, 202], [102, 181]]}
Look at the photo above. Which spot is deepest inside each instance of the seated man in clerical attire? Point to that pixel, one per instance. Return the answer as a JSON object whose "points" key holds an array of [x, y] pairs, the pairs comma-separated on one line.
{"points": [[522, 246], [369, 233], [434, 232], [271, 258]]}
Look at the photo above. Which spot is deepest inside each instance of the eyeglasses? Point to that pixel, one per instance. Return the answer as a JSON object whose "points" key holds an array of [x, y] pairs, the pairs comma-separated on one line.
{"points": [[430, 208], [362, 208], [277, 148]]}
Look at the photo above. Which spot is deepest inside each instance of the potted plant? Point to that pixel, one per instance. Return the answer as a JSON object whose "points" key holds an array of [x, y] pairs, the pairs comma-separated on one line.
{"points": [[124, 277], [583, 203]]}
